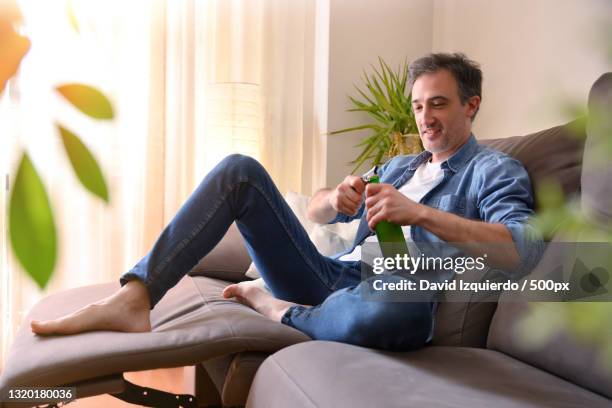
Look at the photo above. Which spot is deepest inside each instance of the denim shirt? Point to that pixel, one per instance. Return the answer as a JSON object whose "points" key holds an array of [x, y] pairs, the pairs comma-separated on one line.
{"points": [[480, 184]]}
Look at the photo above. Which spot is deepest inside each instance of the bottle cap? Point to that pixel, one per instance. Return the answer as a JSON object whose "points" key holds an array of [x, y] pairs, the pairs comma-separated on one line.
{"points": [[373, 172]]}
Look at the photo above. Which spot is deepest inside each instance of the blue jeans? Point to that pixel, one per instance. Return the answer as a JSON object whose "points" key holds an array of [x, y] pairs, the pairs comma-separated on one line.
{"points": [[239, 189]]}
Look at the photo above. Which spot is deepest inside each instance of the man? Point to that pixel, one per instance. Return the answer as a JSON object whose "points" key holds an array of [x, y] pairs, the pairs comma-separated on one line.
{"points": [[455, 192]]}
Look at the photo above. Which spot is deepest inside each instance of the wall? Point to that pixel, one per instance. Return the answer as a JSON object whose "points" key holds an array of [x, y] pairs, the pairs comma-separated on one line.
{"points": [[359, 32], [534, 54]]}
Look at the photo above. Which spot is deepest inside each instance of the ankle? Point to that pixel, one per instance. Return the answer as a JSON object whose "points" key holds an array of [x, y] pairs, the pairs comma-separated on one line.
{"points": [[136, 293], [280, 312]]}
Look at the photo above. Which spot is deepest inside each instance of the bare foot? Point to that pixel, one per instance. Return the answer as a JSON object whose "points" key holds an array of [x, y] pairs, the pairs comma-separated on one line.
{"points": [[258, 299], [127, 310]]}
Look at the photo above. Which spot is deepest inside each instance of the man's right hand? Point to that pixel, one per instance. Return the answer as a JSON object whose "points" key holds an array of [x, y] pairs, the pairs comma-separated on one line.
{"points": [[347, 197]]}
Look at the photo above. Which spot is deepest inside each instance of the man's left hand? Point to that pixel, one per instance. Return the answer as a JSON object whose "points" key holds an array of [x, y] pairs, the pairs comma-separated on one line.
{"points": [[384, 203]]}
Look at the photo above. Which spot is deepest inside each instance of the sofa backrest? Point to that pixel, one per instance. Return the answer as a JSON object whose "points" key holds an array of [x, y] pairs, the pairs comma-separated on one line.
{"points": [[553, 154], [564, 354], [465, 323], [228, 260], [596, 198]]}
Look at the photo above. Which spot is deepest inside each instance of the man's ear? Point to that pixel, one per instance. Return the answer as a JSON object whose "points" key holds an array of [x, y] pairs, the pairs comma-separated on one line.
{"points": [[473, 104]]}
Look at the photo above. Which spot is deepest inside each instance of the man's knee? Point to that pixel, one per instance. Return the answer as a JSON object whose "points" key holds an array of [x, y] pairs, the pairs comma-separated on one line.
{"points": [[239, 167], [397, 326], [240, 161]]}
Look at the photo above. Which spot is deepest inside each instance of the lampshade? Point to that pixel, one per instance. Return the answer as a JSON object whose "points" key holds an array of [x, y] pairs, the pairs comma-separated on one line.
{"points": [[233, 121]]}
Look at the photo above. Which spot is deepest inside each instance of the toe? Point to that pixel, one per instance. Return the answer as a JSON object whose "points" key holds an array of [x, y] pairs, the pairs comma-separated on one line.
{"points": [[230, 291], [39, 327], [35, 325]]}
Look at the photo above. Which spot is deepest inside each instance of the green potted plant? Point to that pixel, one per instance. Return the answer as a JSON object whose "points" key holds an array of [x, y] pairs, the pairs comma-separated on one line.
{"points": [[394, 130]]}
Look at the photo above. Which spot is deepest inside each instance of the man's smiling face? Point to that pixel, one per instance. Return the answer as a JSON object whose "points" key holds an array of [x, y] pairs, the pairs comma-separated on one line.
{"points": [[444, 122]]}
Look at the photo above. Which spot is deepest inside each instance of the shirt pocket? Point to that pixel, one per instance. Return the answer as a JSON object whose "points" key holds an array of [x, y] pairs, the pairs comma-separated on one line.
{"points": [[451, 203]]}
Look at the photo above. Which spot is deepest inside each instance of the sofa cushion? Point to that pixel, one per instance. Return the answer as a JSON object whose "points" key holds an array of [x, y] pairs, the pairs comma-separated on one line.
{"points": [[597, 174], [561, 355], [192, 323], [326, 374], [216, 369], [466, 323], [553, 154], [228, 260]]}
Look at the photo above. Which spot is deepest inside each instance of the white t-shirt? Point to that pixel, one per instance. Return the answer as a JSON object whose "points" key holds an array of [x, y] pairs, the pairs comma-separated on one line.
{"points": [[426, 177]]}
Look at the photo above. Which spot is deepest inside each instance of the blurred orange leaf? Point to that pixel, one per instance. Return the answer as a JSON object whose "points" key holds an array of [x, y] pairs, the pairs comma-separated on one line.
{"points": [[88, 100], [9, 12], [13, 47]]}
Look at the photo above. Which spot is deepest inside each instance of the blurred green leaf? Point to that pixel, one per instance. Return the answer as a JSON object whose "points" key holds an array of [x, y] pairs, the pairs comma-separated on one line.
{"points": [[577, 128], [599, 127], [542, 322], [548, 222], [32, 229], [585, 319], [71, 16], [573, 109], [607, 353], [88, 100], [550, 195], [84, 164]]}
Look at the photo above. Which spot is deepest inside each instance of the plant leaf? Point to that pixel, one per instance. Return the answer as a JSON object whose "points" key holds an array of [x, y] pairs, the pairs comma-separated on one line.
{"points": [[13, 47], [367, 152], [32, 229], [383, 98], [380, 97], [71, 16], [550, 195], [368, 139], [368, 126], [379, 156], [88, 100], [370, 101], [84, 164]]}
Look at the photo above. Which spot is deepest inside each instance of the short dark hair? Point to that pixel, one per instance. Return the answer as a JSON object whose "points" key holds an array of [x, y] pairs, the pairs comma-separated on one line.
{"points": [[466, 72]]}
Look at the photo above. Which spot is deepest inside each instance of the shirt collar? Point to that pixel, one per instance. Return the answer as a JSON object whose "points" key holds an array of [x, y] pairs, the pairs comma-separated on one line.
{"points": [[456, 161]]}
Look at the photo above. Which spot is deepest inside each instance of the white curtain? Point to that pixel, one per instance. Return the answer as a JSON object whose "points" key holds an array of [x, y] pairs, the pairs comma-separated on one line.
{"points": [[240, 79], [190, 81]]}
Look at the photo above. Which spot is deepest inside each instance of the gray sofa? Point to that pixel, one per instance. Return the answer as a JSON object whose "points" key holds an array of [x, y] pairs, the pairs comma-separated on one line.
{"points": [[242, 358], [476, 358]]}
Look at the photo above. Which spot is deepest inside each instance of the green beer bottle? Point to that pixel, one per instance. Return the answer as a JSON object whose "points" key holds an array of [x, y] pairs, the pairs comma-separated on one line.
{"points": [[390, 236]]}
